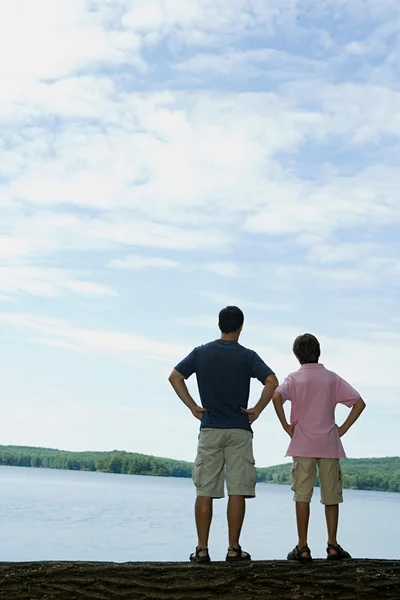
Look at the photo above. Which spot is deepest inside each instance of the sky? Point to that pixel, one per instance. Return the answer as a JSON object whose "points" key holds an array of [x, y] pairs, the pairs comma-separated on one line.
{"points": [[161, 159]]}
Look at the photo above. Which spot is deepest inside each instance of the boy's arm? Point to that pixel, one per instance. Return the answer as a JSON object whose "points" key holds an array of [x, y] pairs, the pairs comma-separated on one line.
{"points": [[270, 385], [177, 381], [353, 416], [277, 400]]}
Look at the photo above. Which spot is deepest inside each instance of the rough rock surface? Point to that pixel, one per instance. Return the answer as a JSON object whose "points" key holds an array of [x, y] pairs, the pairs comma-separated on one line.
{"points": [[277, 580]]}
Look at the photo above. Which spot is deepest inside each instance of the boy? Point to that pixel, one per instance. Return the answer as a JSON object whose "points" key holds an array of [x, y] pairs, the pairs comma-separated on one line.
{"points": [[314, 393]]}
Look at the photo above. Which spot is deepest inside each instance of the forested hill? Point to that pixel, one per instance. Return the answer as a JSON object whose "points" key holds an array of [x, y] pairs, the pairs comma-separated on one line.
{"points": [[381, 474]]}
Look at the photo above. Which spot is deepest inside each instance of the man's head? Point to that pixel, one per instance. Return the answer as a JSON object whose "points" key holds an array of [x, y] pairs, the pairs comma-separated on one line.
{"points": [[306, 348], [231, 320]]}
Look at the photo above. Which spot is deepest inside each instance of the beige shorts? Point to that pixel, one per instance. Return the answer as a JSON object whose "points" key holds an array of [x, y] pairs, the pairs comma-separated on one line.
{"points": [[304, 472], [229, 450]]}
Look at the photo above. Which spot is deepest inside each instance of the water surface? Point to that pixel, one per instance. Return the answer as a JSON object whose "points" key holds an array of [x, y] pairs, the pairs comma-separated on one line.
{"points": [[48, 514]]}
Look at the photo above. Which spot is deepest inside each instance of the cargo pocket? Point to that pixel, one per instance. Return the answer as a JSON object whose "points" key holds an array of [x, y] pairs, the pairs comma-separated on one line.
{"points": [[293, 474], [251, 473], [196, 473], [339, 480]]}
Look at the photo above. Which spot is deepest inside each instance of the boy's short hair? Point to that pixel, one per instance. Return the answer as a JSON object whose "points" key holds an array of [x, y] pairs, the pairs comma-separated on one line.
{"points": [[306, 348], [230, 319]]}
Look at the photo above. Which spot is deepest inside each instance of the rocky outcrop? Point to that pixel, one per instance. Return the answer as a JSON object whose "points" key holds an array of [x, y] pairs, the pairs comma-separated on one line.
{"points": [[274, 580]]}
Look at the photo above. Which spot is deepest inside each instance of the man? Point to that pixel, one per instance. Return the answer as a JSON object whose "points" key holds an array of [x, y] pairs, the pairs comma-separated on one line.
{"points": [[224, 369]]}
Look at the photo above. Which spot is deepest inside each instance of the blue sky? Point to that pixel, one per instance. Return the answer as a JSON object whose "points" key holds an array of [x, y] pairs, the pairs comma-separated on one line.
{"points": [[160, 159]]}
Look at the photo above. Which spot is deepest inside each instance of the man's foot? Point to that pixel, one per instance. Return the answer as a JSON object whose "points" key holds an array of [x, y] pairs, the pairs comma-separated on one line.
{"points": [[302, 554], [200, 555], [236, 554], [336, 552]]}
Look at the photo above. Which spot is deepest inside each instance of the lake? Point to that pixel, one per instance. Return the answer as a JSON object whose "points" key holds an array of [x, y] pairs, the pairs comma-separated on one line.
{"points": [[71, 515]]}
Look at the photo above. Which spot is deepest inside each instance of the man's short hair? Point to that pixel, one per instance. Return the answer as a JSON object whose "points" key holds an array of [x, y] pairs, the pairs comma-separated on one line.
{"points": [[230, 319], [306, 348]]}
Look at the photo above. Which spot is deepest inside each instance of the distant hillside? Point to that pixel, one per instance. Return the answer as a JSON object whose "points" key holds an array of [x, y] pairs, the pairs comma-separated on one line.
{"points": [[381, 474]]}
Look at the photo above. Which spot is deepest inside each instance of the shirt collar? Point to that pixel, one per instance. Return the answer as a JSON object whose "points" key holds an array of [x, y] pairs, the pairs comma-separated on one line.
{"points": [[312, 366]]}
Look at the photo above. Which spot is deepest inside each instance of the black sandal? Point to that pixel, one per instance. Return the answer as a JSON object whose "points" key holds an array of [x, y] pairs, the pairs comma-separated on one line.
{"points": [[239, 555], [195, 557], [297, 554], [340, 554]]}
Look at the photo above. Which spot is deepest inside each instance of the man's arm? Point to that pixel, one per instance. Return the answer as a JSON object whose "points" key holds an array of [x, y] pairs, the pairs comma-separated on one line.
{"points": [[270, 385], [177, 381], [277, 400], [353, 416]]}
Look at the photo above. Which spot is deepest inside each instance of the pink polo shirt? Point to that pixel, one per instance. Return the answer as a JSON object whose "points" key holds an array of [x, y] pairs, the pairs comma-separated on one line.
{"points": [[314, 393]]}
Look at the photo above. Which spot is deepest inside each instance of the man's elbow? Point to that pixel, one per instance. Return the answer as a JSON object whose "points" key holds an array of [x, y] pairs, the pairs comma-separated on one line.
{"points": [[175, 376]]}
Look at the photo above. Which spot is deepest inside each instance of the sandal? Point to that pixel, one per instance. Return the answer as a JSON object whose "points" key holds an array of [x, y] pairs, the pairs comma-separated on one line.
{"points": [[340, 554], [239, 555], [195, 557], [297, 554]]}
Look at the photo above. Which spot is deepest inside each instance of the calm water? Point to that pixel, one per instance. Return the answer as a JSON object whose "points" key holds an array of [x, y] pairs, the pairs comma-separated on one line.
{"points": [[68, 515]]}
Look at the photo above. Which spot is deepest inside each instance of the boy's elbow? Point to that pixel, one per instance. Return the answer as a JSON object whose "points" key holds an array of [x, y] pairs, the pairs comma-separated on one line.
{"points": [[272, 380], [361, 404], [277, 399]]}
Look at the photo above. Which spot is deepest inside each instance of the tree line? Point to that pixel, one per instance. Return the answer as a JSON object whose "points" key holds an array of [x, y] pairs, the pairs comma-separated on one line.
{"points": [[380, 474]]}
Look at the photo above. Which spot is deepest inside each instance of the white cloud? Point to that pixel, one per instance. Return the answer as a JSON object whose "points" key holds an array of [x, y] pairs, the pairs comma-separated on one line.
{"points": [[224, 269], [48, 282], [125, 346], [228, 299], [138, 263]]}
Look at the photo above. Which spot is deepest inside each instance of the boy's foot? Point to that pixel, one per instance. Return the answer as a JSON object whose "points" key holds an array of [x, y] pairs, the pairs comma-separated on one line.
{"points": [[200, 555], [302, 554], [236, 554], [336, 552]]}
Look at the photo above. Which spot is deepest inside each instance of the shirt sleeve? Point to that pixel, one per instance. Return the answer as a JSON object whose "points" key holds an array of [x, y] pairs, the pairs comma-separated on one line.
{"points": [[259, 370], [345, 393], [286, 389], [187, 366]]}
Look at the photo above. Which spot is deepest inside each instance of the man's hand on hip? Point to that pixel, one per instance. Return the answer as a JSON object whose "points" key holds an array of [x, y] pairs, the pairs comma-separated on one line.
{"points": [[252, 413], [198, 412]]}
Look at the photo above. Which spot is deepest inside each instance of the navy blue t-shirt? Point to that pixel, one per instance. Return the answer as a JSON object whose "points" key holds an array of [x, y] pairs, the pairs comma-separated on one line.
{"points": [[224, 370]]}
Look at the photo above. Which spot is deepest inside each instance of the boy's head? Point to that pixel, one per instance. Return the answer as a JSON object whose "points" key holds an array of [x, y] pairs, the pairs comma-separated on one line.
{"points": [[306, 348], [231, 319]]}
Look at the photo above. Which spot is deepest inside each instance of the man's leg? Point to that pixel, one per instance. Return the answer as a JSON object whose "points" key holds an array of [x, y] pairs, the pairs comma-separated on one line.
{"points": [[236, 511], [208, 477], [241, 482], [203, 513]]}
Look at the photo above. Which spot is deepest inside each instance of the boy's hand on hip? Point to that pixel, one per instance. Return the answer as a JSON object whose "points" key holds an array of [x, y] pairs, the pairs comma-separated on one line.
{"points": [[341, 431], [252, 413], [290, 428], [198, 412]]}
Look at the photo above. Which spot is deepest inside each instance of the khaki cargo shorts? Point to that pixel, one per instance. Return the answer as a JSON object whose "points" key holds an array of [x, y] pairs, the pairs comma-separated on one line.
{"points": [[304, 472], [229, 450]]}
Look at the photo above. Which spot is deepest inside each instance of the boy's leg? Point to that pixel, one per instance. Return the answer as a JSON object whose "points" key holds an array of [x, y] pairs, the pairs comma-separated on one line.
{"points": [[304, 472], [208, 477], [240, 481], [302, 518], [332, 521], [330, 476]]}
